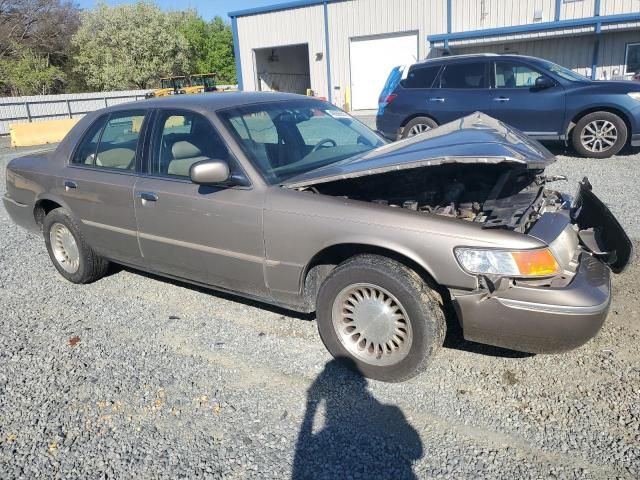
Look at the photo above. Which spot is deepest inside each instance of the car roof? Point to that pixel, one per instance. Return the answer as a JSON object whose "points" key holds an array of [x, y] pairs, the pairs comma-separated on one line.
{"points": [[471, 56], [208, 101]]}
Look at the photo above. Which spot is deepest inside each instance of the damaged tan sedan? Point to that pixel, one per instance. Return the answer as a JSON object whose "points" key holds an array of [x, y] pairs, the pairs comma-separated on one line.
{"points": [[290, 201]]}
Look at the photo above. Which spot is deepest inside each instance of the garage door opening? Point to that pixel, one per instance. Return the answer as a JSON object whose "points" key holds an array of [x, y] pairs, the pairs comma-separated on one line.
{"points": [[283, 69]]}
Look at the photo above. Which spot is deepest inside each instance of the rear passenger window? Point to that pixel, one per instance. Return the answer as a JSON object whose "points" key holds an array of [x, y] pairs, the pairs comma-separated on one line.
{"points": [[111, 142], [421, 77], [183, 138], [86, 152], [463, 75]]}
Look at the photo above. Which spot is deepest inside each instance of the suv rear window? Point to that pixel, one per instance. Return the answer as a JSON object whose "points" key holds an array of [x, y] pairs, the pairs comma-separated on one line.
{"points": [[422, 77], [463, 75]]}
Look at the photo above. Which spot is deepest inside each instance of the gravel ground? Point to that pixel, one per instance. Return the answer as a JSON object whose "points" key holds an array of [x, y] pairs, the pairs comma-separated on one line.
{"points": [[136, 375]]}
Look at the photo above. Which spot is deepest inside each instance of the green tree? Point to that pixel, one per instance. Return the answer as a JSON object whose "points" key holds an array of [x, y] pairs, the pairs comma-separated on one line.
{"points": [[210, 46], [129, 46], [35, 44], [28, 73]]}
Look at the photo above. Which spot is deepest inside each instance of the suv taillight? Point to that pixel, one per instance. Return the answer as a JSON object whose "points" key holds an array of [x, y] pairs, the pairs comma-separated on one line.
{"points": [[388, 99]]}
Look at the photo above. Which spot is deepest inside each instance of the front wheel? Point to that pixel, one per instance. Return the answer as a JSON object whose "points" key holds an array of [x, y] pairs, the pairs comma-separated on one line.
{"points": [[71, 255], [380, 317], [599, 135]]}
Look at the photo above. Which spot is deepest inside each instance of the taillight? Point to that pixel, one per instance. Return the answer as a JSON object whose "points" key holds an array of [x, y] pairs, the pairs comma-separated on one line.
{"points": [[388, 99]]}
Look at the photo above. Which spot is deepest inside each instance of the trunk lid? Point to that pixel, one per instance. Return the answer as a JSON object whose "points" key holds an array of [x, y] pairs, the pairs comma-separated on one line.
{"points": [[476, 138]]}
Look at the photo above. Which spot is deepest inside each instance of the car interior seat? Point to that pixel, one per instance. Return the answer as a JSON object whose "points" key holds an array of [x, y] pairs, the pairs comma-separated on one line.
{"points": [[184, 155]]}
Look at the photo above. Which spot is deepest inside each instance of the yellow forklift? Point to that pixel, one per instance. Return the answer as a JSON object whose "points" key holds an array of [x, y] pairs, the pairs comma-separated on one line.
{"points": [[170, 86], [181, 85], [201, 82]]}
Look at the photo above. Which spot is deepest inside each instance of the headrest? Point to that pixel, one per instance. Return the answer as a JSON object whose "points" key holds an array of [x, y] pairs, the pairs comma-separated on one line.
{"points": [[184, 149]]}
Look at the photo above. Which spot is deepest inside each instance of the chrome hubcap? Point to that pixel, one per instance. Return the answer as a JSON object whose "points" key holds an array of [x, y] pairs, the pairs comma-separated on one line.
{"points": [[65, 248], [599, 135], [418, 129], [372, 324]]}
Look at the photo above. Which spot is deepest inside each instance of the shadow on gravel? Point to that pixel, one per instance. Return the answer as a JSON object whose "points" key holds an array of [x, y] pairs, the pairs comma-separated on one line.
{"points": [[359, 438], [559, 148], [216, 293]]}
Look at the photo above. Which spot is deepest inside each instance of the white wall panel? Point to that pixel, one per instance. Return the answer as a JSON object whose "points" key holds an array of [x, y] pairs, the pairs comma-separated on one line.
{"points": [[577, 9], [481, 14], [285, 27], [613, 7]]}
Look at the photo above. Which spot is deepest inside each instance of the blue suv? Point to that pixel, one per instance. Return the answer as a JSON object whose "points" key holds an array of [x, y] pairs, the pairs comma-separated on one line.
{"points": [[544, 100]]}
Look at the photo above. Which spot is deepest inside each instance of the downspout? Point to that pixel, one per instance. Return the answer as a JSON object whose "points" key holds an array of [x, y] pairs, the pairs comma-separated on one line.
{"points": [[446, 40], [596, 45], [327, 50], [236, 51]]}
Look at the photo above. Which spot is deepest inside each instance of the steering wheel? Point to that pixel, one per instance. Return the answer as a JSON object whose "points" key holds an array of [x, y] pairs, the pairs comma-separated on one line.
{"points": [[320, 144]]}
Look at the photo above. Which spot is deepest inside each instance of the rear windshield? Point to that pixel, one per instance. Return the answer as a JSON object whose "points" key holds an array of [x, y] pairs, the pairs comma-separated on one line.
{"points": [[422, 77]]}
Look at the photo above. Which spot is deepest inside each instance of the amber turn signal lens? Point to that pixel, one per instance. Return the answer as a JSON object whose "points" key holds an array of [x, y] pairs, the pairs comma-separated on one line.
{"points": [[535, 263]]}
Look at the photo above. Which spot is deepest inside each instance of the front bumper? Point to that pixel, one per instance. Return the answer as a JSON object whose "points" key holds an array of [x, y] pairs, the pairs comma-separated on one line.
{"points": [[539, 319], [635, 140]]}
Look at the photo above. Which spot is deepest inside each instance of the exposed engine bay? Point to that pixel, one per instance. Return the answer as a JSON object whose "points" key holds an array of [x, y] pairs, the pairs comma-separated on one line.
{"points": [[498, 196]]}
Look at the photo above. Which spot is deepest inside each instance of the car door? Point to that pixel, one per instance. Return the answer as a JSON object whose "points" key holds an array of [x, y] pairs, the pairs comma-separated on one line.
{"points": [[99, 181], [460, 89], [208, 234], [515, 100]]}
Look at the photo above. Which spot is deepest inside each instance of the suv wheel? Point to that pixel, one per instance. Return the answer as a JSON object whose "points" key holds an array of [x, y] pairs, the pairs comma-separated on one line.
{"points": [[381, 317], [70, 254], [417, 126], [599, 135]]}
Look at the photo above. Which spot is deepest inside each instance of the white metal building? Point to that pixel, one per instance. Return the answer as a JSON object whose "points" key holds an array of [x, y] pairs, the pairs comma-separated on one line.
{"points": [[344, 49]]}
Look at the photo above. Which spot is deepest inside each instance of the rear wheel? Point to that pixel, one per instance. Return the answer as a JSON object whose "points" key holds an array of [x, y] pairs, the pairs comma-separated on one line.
{"points": [[599, 135], [380, 317], [71, 255], [417, 126]]}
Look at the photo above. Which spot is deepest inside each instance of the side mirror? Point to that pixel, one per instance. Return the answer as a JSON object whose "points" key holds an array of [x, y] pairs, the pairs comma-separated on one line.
{"points": [[209, 172], [543, 82]]}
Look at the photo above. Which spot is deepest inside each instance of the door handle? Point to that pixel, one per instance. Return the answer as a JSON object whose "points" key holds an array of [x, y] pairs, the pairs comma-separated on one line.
{"points": [[147, 197], [437, 99], [68, 185], [501, 99]]}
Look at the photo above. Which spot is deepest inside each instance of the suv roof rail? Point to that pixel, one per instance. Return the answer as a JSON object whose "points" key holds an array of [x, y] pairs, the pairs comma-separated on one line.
{"points": [[447, 58]]}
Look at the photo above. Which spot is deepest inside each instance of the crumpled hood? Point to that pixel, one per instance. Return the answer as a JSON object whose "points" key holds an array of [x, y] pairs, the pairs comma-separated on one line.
{"points": [[476, 138]]}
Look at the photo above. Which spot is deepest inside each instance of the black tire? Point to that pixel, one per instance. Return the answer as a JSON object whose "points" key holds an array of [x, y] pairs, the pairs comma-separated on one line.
{"points": [[580, 143], [419, 301], [91, 266], [429, 123]]}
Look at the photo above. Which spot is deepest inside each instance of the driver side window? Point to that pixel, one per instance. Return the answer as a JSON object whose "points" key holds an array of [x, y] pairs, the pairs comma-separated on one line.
{"points": [[515, 75], [182, 138]]}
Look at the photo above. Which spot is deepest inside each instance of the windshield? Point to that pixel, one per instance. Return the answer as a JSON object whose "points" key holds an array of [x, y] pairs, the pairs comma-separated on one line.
{"points": [[180, 82], [196, 80], [565, 72], [289, 138], [166, 83]]}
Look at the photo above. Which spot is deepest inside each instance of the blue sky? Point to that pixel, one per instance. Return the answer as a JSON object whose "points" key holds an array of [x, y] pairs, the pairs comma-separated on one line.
{"points": [[207, 8]]}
